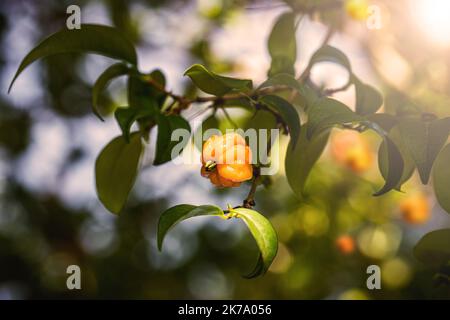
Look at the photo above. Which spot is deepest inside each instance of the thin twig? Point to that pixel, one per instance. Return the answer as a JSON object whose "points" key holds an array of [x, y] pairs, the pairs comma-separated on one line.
{"points": [[227, 115]]}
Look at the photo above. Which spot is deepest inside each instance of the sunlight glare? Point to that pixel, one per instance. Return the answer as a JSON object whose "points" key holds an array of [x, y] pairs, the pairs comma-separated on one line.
{"points": [[432, 17]]}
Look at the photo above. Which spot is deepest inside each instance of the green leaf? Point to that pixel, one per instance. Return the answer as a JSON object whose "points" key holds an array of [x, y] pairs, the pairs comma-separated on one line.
{"points": [[158, 77], [174, 215], [265, 237], [114, 71], [393, 160], [368, 99], [327, 113], [441, 177], [214, 84], [300, 160], [116, 170], [97, 39], [287, 112], [282, 45], [164, 144], [243, 103], [127, 116], [395, 165], [433, 249], [307, 98], [328, 53], [282, 79], [141, 95], [424, 141], [383, 120], [383, 163]]}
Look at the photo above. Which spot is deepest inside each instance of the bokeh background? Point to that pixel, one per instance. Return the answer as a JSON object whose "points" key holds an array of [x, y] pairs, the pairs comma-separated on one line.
{"points": [[49, 139]]}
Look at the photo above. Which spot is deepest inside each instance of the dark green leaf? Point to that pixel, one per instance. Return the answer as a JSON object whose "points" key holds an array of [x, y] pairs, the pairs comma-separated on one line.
{"points": [[115, 171], [383, 120], [114, 71], [141, 95], [383, 164], [174, 215], [158, 77], [214, 84], [98, 39], [395, 165], [287, 112], [441, 178], [368, 99], [127, 116], [265, 237], [282, 45], [164, 144], [328, 112], [244, 103], [424, 141], [300, 160], [434, 249]]}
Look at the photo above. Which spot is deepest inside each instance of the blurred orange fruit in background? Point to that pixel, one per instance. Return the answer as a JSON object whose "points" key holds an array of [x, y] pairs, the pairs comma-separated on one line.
{"points": [[350, 149], [345, 244], [415, 209]]}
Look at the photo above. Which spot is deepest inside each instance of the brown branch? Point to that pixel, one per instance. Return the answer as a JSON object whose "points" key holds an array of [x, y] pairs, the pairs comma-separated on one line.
{"points": [[249, 201], [184, 103]]}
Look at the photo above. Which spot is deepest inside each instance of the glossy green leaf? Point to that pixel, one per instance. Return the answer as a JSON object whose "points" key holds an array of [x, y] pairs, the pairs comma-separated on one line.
{"points": [[112, 72], [174, 215], [383, 164], [328, 112], [282, 45], [265, 237], [424, 141], [368, 99], [116, 170], [441, 178], [214, 84], [127, 116], [301, 159], [434, 249], [288, 114], [97, 39], [164, 144]]}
